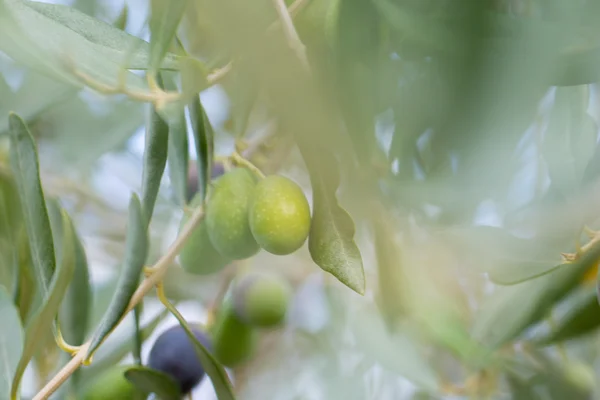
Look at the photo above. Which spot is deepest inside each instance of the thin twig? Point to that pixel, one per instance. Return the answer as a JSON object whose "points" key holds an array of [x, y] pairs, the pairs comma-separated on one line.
{"points": [[156, 275], [290, 32]]}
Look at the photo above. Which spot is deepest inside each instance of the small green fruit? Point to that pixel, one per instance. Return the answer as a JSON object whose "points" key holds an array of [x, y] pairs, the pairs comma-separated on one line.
{"points": [[279, 215], [233, 340], [111, 385], [199, 256], [261, 300], [580, 376], [227, 215]]}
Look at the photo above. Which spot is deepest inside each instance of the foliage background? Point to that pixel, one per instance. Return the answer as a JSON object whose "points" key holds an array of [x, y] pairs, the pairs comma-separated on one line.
{"points": [[485, 164]]}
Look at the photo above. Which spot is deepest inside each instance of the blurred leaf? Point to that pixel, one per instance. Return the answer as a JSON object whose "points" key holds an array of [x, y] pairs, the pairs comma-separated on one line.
{"points": [[152, 381], [25, 166], [507, 259], [135, 257], [331, 238], [55, 44], [37, 94], [121, 21], [391, 277], [43, 319], [583, 317], [81, 134], [243, 92], [11, 342], [178, 154], [510, 310], [385, 348], [570, 138], [214, 370], [203, 134], [155, 159], [164, 20]]}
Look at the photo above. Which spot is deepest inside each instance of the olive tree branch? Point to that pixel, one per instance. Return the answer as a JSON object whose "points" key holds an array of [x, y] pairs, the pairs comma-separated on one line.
{"points": [[155, 274]]}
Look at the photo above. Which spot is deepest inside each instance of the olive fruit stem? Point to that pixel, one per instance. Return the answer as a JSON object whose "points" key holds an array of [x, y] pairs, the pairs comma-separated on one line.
{"points": [[62, 344], [237, 159], [154, 276]]}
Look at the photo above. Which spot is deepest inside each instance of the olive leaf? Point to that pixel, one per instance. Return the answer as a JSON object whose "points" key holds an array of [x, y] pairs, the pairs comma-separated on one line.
{"points": [[214, 370], [178, 153], [25, 165], [151, 381], [135, 257], [155, 159], [164, 20], [583, 317], [203, 134], [46, 315], [11, 341], [510, 310], [331, 238]]}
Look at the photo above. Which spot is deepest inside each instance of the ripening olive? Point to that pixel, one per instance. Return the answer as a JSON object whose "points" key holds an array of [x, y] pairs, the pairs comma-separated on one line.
{"points": [[110, 385], [173, 353], [279, 215], [227, 214], [234, 341], [260, 299], [217, 170], [198, 255]]}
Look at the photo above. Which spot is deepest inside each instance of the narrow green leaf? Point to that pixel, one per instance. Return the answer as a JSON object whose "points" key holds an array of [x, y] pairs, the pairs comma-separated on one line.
{"points": [[25, 287], [25, 166], [121, 21], [116, 348], [135, 257], [155, 159], [331, 238], [178, 153], [45, 316], [583, 317], [151, 381], [164, 20], [11, 342], [204, 142], [213, 369], [510, 310]]}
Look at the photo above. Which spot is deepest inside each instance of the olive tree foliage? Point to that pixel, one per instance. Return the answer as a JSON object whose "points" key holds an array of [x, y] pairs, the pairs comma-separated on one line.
{"points": [[448, 149]]}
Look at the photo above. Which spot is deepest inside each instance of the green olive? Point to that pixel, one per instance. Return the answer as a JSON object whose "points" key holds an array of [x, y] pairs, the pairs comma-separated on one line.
{"points": [[260, 299], [199, 256], [233, 340], [110, 385], [279, 215], [227, 214]]}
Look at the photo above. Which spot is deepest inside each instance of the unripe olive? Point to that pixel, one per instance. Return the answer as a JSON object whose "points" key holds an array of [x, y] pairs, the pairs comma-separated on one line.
{"points": [[260, 299], [279, 215], [110, 385], [198, 255], [234, 341], [227, 214], [173, 353], [580, 376]]}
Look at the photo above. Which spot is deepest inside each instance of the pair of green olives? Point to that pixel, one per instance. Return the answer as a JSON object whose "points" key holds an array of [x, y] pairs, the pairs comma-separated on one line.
{"points": [[243, 215], [257, 301]]}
